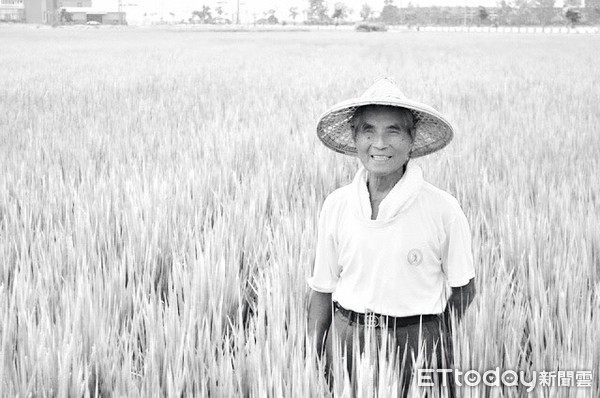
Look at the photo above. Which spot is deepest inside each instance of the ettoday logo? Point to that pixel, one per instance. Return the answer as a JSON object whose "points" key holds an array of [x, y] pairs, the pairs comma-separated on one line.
{"points": [[508, 378]]}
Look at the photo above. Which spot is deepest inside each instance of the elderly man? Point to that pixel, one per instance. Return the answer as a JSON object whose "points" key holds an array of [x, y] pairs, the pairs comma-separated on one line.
{"points": [[393, 252]]}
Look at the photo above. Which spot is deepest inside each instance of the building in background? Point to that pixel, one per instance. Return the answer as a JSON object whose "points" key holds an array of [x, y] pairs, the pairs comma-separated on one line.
{"points": [[83, 11], [12, 10], [82, 15], [40, 11], [74, 3], [58, 11]]}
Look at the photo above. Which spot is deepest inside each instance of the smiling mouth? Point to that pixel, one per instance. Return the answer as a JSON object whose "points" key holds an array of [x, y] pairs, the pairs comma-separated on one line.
{"points": [[380, 157]]}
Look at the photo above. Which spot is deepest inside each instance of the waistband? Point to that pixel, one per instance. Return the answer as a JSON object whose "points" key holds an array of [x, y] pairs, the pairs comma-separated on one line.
{"points": [[378, 320]]}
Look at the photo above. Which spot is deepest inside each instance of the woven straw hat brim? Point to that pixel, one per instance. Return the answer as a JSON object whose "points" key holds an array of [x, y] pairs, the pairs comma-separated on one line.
{"points": [[432, 130]]}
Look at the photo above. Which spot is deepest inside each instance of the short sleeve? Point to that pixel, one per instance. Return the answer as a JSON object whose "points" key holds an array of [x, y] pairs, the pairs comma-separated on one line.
{"points": [[326, 270], [457, 257]]}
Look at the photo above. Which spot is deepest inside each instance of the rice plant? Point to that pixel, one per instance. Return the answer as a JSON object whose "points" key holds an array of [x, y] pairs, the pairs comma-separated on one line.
{"points": [[159, 193]]}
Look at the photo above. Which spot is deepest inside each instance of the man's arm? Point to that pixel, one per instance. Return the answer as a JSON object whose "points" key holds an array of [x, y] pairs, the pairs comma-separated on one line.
{"points": [[319, 318], [461, 298]]}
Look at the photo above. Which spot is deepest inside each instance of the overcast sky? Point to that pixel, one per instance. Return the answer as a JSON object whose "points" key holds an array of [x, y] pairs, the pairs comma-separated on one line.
{"points": [[250, 7]]}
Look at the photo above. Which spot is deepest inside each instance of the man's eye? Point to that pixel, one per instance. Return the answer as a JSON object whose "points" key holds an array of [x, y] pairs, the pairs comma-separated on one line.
{"points": [[397, 133]]}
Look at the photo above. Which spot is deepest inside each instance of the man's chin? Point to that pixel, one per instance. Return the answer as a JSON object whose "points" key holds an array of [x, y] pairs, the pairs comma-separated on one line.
{"points": [[379, 170]]}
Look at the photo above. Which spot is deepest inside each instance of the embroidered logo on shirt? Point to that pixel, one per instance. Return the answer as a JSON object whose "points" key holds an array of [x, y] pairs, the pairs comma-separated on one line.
{"points": [[415, 257]]}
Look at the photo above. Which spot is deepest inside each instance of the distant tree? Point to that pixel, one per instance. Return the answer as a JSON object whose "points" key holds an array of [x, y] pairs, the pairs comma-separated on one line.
{"points": [[545, 11], [269, 18], [340, 12], [204, 15], [337, 12], [317, 11], [390, 14], [521, 3], [571, 11], [294, 13], [65, 16], [592, 11], [219, 10], [365, 12], [206, 12], [410, 14], [595, 14], [433, 16], [504, 13], [482, 14], [522, 9], [572, 15]]}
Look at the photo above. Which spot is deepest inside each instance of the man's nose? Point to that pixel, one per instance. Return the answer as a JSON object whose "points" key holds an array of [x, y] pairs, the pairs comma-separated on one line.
{"points": [[380, 141]]}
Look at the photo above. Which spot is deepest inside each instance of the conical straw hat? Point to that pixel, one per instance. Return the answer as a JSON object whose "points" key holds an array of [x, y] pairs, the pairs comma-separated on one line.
{"points": [[432, 130]]}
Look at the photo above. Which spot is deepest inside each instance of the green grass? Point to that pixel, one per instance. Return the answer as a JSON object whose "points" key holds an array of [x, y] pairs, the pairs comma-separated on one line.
{"points": [[159, 192]]}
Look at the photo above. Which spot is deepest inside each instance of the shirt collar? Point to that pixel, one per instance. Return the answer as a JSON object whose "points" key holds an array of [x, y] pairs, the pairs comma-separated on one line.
{"points": [[397, 200]]}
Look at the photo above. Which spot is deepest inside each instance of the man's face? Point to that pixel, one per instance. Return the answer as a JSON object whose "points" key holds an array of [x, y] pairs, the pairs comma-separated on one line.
{"points": [[382, 143]]}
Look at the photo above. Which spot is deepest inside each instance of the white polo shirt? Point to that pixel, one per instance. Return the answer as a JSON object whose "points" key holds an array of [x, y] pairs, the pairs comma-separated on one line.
{"points": [[404, 262]]}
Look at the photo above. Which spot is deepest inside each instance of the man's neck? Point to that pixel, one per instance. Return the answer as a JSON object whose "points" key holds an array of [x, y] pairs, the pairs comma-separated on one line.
{"points": [[380, 186]]}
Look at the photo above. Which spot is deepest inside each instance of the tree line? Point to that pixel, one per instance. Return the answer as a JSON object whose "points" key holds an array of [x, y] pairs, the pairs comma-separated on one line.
{"points": [[511, 12], [505, 13]]}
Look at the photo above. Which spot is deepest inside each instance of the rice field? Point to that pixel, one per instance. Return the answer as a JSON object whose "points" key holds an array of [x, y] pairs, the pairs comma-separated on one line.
{"points": [[159, 194]]}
